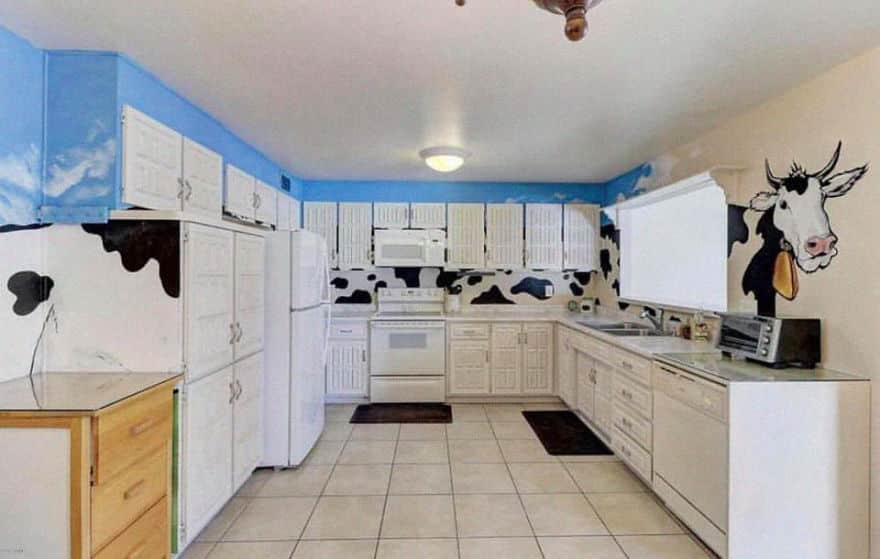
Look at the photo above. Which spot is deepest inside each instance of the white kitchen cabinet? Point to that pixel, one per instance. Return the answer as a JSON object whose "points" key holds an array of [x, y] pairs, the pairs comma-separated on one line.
{"points": [[348, 360], [586, 387], [504, 236], [321, 218], [250, 266], [391, 215], [581, 237], [466, 237], [538, 358], [543, 236], [206, 448], [202, 180], [355, 236], [285, 218], [295, 219], [209, 323], [247, 414], [507, 359], [427, 216], [469, 371], [566, 367], [239, 198], [265, 204], [152, 162]]}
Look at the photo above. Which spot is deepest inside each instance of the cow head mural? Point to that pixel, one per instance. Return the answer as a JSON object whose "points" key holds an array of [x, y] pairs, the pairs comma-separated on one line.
{"points": [[796, 228]]}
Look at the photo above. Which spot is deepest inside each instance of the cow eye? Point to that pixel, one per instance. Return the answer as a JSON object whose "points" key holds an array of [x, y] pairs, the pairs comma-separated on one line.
{"points": [[783, 204]]}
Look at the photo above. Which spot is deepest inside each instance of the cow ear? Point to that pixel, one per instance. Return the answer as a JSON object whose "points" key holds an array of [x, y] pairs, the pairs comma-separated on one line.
{"points": [[763, 201], [841, 183]]}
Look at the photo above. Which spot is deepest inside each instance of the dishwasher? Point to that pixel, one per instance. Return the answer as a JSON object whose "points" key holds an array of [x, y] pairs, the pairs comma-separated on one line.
{"points": [[691, 451]]}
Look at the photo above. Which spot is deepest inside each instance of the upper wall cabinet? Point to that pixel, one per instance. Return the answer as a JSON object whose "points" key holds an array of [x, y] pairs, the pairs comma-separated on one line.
{"points": [[504, 236], [284, 208], [580, 237], [152, 163], [355, 236], [544, 237], [202, 180], [320, 218], [466, 239], [427, 216], [240, 190], [265, 204], [295, 221], [391, 215]]}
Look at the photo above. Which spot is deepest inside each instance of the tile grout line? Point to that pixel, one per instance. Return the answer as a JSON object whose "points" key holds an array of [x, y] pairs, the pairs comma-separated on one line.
{"points": [[452, 488], [387, 491]]}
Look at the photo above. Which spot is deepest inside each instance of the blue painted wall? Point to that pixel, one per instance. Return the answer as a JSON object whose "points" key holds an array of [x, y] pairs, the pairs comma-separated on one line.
{"points": [[21, 129], [413, 191]]}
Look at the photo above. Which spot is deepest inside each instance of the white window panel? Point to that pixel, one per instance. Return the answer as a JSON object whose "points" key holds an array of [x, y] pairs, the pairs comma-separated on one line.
{"points": [[544, 236], [580, 237], [152, 162], [467, 237], [427, 216], [355, 236], [504, 236], [320, 218], [391, 215], [202, 180]]}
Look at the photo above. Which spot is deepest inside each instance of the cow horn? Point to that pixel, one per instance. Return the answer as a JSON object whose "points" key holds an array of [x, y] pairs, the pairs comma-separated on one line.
{"points": [[774, 181], [831, 164]]}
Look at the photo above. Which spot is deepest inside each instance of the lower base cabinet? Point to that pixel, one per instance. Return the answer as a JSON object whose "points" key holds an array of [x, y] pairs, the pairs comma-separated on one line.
{"points": [[222, 440], [348, 361]]}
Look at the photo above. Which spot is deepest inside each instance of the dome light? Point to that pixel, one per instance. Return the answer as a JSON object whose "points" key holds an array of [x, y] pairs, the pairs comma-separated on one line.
{"points": [[444, 159]]}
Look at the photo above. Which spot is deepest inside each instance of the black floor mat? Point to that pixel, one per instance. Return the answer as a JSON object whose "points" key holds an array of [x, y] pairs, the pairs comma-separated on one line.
{"points": [[563, 434], [402, 413]]}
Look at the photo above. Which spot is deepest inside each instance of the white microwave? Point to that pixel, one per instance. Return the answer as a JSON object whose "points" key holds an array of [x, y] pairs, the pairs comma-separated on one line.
{"points": [[410, 247]]}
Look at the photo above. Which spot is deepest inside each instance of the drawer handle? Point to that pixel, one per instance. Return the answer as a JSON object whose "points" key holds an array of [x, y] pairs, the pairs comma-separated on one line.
{"points": [[141, 427], [627, 365], [133, 491], [626, 452], [137, 552], [346, 331], [626, 394]]}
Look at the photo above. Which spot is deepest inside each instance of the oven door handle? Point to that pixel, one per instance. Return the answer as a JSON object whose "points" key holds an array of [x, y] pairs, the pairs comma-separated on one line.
{"points": [[421, 325]]}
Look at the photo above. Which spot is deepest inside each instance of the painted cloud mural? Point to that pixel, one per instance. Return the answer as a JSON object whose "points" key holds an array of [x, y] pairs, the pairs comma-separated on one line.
{"points": [[20, 195]]}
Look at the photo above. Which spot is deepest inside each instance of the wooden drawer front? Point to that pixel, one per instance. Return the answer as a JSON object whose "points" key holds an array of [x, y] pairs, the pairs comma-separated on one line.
{"points": [[469, 331], [639, 429], [352, 329], [634, 455], [148, 538], [637, 367], [119, 502], [130, 432], [601, 350], [633, 395]]}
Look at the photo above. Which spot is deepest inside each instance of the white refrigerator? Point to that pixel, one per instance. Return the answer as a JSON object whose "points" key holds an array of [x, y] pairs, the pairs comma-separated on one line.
{"points": [[297, 330]]}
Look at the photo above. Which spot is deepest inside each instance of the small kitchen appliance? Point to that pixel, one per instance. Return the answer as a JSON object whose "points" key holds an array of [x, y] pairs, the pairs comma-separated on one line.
{"points": [[776, 342]]}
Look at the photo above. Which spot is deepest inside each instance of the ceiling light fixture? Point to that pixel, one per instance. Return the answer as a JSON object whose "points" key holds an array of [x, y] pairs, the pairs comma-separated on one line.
{"points": [[575, 12], [444, 159]]}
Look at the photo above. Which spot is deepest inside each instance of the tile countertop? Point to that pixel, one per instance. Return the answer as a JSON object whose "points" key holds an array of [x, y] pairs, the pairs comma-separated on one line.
{"points": [[716, 367], [75, 392]]}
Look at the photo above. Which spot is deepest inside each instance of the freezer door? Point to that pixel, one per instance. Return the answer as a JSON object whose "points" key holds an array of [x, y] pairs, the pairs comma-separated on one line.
{"points": [[308, 379], [308, 257]]}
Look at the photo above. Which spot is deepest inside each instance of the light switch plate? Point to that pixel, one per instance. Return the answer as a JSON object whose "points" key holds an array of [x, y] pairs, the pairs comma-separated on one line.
{"points": [[548, 290]]}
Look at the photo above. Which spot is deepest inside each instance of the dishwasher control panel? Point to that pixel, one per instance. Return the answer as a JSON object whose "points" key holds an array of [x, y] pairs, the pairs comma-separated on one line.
{"points": [[706, 396]]}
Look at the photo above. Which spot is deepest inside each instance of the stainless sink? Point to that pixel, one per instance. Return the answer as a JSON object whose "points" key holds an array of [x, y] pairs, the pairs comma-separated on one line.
{"points": [[625, 329]]}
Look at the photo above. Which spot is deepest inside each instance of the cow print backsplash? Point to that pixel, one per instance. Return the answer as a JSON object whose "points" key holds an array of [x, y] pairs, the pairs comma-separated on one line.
{"points": [[501, 288]]}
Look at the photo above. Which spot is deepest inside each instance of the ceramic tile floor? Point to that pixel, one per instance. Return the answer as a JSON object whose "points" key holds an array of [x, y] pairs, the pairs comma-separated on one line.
{"points": [[482, 486]]}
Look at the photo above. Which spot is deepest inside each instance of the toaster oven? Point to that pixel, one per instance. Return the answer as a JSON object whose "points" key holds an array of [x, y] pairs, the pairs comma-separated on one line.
{"points": [[777, 342]]}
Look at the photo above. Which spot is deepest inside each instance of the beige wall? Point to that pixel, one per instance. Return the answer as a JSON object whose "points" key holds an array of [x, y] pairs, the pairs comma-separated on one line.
{"points": [[805, 125]]}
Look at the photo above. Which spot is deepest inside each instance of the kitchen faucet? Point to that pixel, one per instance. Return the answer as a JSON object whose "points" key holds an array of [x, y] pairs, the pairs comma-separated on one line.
{"points": [[656, 321]]}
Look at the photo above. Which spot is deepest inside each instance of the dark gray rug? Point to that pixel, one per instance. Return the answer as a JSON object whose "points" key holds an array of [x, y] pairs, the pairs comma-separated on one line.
{"points": [[402, 413], [563, 434]]}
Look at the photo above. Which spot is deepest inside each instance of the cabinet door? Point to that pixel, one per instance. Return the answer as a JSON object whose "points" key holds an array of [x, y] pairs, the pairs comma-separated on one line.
{"points": [[506, 362], [504, 236], [250, 267], [202, 180], [284, 217], [544, 236], [206, 449], [152, 162], [208, 304], [538, 356], [266, 204], [239, 196], [247, 410], [295, 220], [347, 369], [467, 238], [586, 390], [469, 367], [355, 236], [580, 237], [427, 216], [320, 218], [394, 215], [565, 367]]}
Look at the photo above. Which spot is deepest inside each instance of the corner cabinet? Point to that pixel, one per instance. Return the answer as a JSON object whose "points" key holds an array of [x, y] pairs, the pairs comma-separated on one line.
{"points": [[580, 237], [544, 237], [504, 236]]}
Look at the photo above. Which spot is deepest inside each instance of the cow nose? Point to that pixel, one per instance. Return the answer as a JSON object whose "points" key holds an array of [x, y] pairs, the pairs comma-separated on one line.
{"points": [[820, 246]]}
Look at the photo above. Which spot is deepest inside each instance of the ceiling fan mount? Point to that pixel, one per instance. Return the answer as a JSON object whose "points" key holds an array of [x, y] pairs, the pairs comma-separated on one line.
{"points": [[575, 12]]}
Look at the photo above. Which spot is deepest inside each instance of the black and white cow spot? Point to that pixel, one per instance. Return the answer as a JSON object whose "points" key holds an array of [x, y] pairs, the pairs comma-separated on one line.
{"points": [[30, 289], [583, 278], [536, 287], [379, 285], [492, 296], [605, 262], [474, 280], [576, 289], [339, 282], [358, 297], [737, 230], [410, 276]]}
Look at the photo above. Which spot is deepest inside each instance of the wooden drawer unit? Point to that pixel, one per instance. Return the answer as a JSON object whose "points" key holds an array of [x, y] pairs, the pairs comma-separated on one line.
{"points": [[633, 395], [631, 453], [639, 429], [637, 367], [469, 331], [348, 329], [145, 539], [118, 502], [129, 431]]}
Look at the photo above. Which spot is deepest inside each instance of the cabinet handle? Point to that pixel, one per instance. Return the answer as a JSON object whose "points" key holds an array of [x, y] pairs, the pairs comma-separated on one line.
{"points": [[626, 394], [627, 365], [133, 491], [364, 355], [180, 188], [233, 332], [238, 389], [189, 190], [240, 332], [231, 391], [142, 426], [487, 355]]}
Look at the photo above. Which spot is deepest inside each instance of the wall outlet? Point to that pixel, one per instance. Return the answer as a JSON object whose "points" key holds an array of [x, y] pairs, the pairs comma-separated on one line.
{"points": [[548, 290]]}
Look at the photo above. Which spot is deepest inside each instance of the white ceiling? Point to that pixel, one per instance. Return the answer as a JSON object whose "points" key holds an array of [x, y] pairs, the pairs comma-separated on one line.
{"points": [[354, 89]]}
